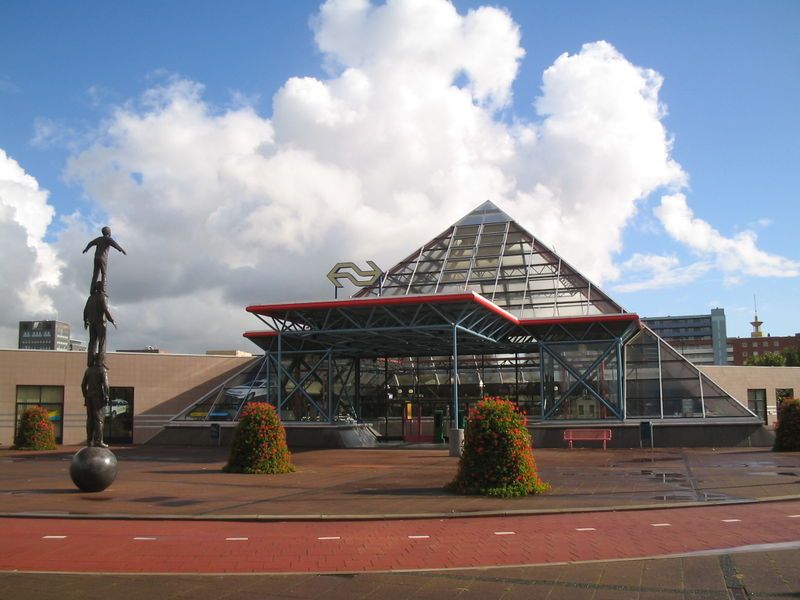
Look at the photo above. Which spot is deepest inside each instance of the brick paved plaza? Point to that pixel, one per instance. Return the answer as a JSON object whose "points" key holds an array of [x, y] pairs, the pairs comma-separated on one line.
{"points": [[670, 523]]}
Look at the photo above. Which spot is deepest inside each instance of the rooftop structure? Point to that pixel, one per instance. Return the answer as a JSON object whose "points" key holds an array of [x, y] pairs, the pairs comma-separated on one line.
{"points": [[484, 308], [44, 335]]}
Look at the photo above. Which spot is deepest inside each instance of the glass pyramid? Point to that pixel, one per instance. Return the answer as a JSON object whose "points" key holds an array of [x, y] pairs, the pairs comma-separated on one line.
{"points": [[660, 383], [489, 253]]}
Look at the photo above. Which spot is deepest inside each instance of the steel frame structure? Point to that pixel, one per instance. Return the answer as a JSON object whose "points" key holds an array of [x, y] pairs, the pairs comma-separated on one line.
{"points": [[485, 286]]}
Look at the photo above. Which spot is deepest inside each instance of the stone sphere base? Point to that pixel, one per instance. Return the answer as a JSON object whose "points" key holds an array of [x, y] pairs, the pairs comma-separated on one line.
{"points": [[93, 469]]}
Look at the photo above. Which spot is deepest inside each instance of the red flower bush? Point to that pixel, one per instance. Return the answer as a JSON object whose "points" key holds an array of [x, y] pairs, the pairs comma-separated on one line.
{"points": [[497, 459], [259, 442], [35, 430], [787, 433]]}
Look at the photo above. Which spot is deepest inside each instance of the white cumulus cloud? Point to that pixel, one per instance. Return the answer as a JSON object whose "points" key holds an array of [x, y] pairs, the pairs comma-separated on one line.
{"points": [[411, 128], [30, 267], [659, 272], [733, 255]]}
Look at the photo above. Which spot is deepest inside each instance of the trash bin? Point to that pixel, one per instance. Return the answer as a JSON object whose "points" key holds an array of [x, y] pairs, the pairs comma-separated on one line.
{"points": [[438, 427], [646, 434]]}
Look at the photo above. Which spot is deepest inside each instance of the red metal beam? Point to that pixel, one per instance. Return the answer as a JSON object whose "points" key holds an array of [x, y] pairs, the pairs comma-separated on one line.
{"points": [[279, 309]]}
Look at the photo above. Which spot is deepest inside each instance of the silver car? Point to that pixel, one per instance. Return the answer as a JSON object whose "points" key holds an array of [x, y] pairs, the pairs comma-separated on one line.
{"points": [[251, 392]]}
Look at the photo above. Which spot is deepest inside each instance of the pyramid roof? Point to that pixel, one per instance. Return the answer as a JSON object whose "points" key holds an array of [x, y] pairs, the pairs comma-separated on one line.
{"points": [[488, 252]]}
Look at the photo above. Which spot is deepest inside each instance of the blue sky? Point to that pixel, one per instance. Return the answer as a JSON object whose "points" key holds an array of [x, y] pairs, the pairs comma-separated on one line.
{"points": [[731, 80]]}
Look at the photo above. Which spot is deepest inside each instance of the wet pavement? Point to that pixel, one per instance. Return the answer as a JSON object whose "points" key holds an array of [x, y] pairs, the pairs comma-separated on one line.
{"points": [[392, 482], [668, 523]]}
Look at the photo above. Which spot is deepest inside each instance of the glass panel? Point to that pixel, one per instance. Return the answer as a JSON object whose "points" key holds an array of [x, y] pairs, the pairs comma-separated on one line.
{"points": [[344, 391], [52, 394], [223, 403], [720, 404], [118, 425], [642, 386], [580, 404], [29, 394], [757, 402], [680, 384]]}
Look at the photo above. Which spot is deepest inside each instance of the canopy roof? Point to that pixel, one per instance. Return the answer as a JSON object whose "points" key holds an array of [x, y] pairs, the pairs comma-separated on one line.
{"points": [[419, 325]]}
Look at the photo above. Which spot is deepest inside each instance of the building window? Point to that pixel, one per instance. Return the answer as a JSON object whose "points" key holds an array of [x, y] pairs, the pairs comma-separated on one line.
{"points": [[51, 397], [118, 426], [757, 402], [744, 344], [782, 394]]}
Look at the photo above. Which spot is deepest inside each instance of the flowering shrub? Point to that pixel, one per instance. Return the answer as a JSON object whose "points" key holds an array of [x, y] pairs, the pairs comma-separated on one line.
{"points": [[35, 430], [259, 442], [787, 434], [497, 459]]}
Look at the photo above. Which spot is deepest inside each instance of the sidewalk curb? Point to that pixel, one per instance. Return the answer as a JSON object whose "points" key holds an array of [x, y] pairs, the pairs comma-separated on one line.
{"points": [[388, 517]]}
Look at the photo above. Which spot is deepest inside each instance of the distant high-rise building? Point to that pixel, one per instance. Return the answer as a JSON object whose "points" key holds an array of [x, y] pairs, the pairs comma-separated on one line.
{"points": [[44, 335], [700, 338]]}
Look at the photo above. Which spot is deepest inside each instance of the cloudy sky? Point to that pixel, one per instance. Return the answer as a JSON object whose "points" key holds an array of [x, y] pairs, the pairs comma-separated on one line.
{"points": [[238, 150]]}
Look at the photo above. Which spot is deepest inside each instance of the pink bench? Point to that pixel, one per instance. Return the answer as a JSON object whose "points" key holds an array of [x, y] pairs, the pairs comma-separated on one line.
{"points": [[587, 435]]}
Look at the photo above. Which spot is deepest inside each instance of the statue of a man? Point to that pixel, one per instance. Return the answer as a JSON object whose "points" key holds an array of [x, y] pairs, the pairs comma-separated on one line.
{"points": [[102, 244], [95, 315], [95, 396]]}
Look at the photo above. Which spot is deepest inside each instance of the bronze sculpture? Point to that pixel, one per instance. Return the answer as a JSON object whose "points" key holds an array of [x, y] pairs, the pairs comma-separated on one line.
{"points": [[95, 397], [95, 315], [102, 244], [94, 468]]}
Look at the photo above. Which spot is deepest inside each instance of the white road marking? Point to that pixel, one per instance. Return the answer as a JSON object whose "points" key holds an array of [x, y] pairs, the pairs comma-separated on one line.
{"points": [[505, 532], [793, 516], [144, 538], [585, 529], [418, 537], [661, 524], [330, 537], [53, 537], [236, 539], [731, 520]]}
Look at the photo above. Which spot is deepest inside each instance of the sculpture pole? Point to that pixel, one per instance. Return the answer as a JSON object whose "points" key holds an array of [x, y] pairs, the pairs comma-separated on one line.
{"points": [[94, 467]]}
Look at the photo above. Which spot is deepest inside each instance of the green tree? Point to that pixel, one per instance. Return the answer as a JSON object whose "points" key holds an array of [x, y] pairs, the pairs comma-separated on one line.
{"points": [[792, 356], [768, 359], [35, 430], [259, 442], [498, 456], [787, 434]]}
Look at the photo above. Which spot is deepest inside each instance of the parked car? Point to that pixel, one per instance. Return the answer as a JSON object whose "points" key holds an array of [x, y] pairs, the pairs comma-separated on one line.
{"points": [[117, 407], [255, 391]]}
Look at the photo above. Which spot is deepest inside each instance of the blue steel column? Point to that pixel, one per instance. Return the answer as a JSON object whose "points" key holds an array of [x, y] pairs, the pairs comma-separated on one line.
{"points": [[330, 386], [455, 377], [279, 373], [542, 392], [268, 358]]}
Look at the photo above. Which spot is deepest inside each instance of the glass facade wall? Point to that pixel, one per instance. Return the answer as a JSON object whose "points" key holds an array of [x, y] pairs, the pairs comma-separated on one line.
{"points": [[118, 424], [661, 383]]}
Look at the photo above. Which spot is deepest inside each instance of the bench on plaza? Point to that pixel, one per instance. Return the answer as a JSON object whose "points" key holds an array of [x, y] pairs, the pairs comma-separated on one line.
{"points": [[587, 435]]}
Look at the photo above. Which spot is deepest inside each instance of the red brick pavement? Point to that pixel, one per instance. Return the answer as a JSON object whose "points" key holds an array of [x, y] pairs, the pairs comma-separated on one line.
{"points": [[70, 545]]}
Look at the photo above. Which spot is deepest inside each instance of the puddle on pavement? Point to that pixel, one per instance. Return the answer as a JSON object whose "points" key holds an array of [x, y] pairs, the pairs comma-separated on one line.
{"points": [[650, 460], [664, 477]]}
